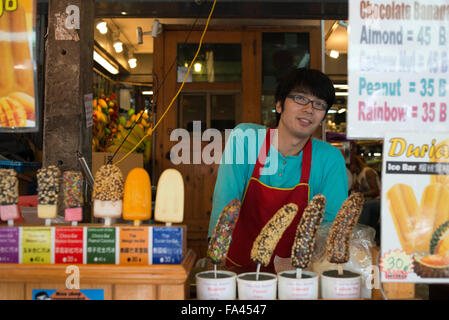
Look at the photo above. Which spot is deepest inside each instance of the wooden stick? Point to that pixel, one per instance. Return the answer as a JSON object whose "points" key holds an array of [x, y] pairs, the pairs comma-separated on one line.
{"points": [[340, 269], [257, 272], [215, 270], [298, 273]]}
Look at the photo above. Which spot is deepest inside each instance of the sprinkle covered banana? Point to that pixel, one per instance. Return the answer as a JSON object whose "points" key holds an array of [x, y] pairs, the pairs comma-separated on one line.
{"points": [[222, 233], [304, 242], [337, 246], [271, 233]]}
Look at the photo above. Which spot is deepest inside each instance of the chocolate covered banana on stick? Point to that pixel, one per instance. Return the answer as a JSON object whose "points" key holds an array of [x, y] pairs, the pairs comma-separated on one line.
{"points": [[338, 240], [48, 179], [271, 233], [222, 233], [305, 236], [9, 195]]}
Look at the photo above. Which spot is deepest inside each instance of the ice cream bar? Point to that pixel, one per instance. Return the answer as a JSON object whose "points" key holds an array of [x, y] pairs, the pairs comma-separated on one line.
{"points": [[169, 207], [434, 211], [271, 233], [48, 192], [338, 240], [222, 233], [73, 196], [137, 196], [404, 212], [108, 193], [9, 195]]}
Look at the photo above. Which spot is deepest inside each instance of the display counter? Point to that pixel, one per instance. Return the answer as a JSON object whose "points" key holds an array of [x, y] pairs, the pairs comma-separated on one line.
{"points": [[152, 282]]}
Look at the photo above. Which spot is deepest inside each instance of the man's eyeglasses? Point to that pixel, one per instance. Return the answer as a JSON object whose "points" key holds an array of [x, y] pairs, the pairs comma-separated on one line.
{"points": [[316, 104]]}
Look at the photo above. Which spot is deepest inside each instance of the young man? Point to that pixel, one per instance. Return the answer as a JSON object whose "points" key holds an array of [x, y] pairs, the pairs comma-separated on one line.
{"points": [[290, 166]]}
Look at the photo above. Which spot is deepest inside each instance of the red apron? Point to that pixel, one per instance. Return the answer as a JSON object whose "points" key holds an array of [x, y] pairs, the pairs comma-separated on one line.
{"points": [[260, 203]]}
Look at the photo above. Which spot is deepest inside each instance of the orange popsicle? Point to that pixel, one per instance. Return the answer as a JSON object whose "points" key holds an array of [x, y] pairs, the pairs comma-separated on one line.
{"points": [[137, 196]]}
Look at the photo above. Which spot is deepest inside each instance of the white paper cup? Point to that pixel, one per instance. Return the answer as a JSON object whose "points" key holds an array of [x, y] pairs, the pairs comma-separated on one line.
{"points": [[262, 289], [346, 287], [291, 288], [221, 288]]}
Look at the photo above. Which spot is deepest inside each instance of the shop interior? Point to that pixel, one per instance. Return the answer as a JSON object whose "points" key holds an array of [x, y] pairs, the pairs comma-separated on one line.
{"points": [[126, 86]]}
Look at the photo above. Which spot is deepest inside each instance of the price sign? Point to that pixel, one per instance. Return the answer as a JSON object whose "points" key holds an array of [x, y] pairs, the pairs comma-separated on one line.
{"points": [[134, 246], [396, 265], [36, 245], [69, 245], [9, 245], [398, 67], [101, 245]]}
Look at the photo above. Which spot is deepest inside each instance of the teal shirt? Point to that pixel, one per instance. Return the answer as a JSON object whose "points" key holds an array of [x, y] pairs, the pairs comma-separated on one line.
{"points": [[328, 172]]}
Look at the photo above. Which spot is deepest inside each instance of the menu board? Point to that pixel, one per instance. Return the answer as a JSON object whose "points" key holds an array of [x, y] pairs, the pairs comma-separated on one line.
{"points": [[18, 67], [398, 67], [415, 208]]}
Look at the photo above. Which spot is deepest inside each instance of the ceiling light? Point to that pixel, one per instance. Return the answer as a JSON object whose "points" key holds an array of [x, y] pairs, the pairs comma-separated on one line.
{"points": [[334, 54], [105, 63], [124, 13], [147, 93], [118, 46], [332, 111], [197, 67], [102, 27], [342, 110], [341, 94], [132, 62]]}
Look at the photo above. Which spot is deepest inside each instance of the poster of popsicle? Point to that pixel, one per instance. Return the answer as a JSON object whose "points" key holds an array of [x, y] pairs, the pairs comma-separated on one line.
{"points": [[415, 208], [18, 67]]}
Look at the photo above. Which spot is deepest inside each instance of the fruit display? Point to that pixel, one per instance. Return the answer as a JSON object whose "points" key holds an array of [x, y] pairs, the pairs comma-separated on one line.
{"points": [[17, 74], [110, 129]]}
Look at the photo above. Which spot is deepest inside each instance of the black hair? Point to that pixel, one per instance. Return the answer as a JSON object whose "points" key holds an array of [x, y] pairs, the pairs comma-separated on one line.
{"points": [[305, 80]]}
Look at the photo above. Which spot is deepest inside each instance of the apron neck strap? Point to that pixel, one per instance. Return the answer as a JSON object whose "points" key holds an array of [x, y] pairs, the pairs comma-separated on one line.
{"points": [[265, 149]]}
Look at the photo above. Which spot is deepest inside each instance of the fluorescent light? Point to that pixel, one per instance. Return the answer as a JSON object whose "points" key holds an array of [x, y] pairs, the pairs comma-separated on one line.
{"points": [[132, 63], [341, 110], [105, 63], [197, 67], [102, 27], [341, 94], [377, 154], [341, 86], [334, 54], [332, 111], [147, 93]]}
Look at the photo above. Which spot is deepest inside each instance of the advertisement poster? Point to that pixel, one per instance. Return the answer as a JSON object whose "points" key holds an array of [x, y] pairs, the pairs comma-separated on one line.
{"points": [[415, 208], [18, 67], [83, 294], [398, 67]]}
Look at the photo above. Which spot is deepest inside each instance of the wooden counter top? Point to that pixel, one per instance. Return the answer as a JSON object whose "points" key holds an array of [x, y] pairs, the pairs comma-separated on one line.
{"points": [[160, 282]]}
